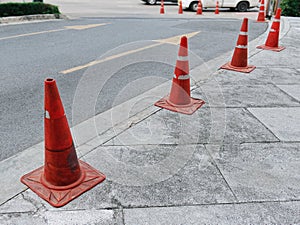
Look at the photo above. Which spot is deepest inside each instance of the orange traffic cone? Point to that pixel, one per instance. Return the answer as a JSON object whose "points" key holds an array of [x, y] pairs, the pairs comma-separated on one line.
{"points": [[261, 13], [199, 9], [217, 8], [239, 61], [63, 177], [180, 7], [162, 7], [273, 37], [179, 99]]}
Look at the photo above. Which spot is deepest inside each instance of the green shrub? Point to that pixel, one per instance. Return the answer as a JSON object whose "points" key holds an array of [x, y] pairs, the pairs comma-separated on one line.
{"points": [[32, 8], [290, 7]]}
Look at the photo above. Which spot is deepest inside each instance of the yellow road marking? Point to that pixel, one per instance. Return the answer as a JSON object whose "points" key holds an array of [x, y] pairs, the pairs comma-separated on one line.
{"points": [[83, 27], [31, 34], [108, 58], [173, 40], [80, 27], [176, 40]]}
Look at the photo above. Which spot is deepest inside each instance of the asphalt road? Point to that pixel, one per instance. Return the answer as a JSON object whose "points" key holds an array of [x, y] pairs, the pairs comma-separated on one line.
{"points": [[33, 51]]}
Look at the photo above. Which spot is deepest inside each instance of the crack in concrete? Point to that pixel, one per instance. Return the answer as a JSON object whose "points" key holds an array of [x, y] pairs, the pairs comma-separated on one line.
{"points": [[35, 204], [214, 204]]}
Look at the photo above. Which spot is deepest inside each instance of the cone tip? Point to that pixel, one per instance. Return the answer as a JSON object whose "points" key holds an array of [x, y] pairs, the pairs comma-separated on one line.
{"points": [[278, 13], [50, 81], [244, 26], [183, 41]]}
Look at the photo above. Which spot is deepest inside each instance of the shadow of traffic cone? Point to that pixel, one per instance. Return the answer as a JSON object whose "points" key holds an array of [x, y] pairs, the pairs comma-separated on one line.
{"points": [[179, 99], [273, 37], [217, 8], [180, 11], [199, 8], [239, 61], [261, 13], [162, 7], [63, 177]]}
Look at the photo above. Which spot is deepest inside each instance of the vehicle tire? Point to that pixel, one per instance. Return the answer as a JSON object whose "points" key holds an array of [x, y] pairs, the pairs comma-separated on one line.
{"points": [[193, 6], [242, 6], [151, 2]]}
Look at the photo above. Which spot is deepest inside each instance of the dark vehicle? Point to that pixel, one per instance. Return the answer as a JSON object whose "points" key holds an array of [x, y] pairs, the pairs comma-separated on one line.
{"points": [[153, 2]]}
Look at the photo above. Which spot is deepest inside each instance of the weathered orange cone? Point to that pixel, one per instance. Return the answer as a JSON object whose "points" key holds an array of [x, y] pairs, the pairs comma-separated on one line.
{"points": [[63, 177], [179, 99], [199, 9], [180, 7], [217, 8], [261, 13], [162, 7], [273, 37], [239, 61]]}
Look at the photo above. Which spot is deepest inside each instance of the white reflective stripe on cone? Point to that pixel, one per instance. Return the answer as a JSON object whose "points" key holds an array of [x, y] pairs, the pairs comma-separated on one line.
{"points": [[272, 30], [241, 46], [47, 115], [276, 20], [243, 33], [184, 77], [183, 58]]}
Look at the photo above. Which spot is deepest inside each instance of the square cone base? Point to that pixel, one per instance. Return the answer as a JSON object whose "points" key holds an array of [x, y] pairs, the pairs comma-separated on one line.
{"points": [[60, 197], [246, 69], [189, 109], [275, 49]]}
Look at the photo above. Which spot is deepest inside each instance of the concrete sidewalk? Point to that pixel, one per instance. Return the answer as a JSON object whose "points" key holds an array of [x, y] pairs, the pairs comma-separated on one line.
{"points": [[235, 161]]}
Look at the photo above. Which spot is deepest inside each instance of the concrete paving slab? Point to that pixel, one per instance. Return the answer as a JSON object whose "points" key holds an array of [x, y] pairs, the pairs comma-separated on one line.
{"points": [[13, 168], [166, 127], [147, 176], [283, 122], [18, 205], [101, 217], [259, 76], [247, 95], [292, 90], [260, 171], [249, 213], [287, 58], [207, 125]]}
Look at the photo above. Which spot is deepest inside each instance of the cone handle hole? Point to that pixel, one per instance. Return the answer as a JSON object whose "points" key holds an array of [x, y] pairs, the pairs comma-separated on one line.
{"points": [[50, 81]]}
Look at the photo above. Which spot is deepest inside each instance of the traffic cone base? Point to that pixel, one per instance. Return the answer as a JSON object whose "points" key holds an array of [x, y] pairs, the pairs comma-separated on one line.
{"points": [[184, 109], [275, 49], [246, 69], [58, 196]]}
